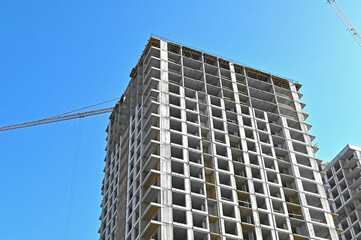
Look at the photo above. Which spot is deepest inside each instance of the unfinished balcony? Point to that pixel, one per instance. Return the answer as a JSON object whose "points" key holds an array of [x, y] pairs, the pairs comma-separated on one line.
{"points": [[174, 52], [151, 219], [192, 60], [303, 160], [214, 91], [251, 146], [152, 49], [310, 187], [317, 216], [230, 228], [285, 101], [150, 178], [223, 164], [262, 95], [198, 203], [264, 105], [260, 85], [298, 147], [239, 169], [299, 230], [288, 112], [242, 90], [292, 201], [288, 182], [191, 106], [153, 73], [192, 117], [196, 172], [224, 179], [266, 150], [236, 146], [228, 95], [294, 124], [221, 151], [179, 232], [261, 202], [176, 125], [226, 194], [177, 153], [153, 61], [175, 112], [177, 167], [194, 143], [192, 130], [321, 231], [227, 83], [233, 129], [269, 163], [278, 206], [195, 83], [285, 93], [244, 100], [176, 139], [197, 187], [306, 173], [199, 220], [211, 70]]}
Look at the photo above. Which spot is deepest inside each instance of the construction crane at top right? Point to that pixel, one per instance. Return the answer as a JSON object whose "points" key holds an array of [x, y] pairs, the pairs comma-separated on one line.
{"points": [[345, 21]]}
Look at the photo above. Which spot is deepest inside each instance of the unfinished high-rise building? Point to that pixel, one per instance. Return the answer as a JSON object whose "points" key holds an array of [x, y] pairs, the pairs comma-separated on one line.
{"points": [[203, 148], [344, 181]]}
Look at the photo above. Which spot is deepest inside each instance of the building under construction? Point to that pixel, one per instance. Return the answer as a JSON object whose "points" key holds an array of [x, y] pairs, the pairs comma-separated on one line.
{"points": [[343, 180], [203, 148]]}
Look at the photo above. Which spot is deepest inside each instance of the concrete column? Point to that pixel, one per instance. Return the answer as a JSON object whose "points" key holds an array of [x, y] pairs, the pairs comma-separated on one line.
{"points": [[165, 149]]}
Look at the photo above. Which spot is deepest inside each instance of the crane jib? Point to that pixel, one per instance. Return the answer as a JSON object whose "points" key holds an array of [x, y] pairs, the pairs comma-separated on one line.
{"points": [[57, 119], [345, 21]]}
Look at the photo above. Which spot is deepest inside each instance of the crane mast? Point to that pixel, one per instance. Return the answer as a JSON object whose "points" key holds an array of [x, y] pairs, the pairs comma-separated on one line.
{"points": [[345, 21], [57, 119]]}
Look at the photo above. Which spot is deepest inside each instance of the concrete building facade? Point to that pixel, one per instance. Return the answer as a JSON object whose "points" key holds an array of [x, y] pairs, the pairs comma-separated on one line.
{"points": [[203, 148], [342, 176]]}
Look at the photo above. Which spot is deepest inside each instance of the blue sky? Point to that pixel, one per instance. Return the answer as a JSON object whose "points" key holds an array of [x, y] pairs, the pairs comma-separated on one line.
{"points": [[56, 56]]}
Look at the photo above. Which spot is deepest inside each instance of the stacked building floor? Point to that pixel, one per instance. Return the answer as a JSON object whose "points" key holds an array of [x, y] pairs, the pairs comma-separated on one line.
{"points": [[344, 187], [203, 148]]}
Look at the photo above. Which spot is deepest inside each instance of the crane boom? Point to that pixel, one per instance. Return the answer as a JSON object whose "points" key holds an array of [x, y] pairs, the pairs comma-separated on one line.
{"points": [[345, 21], [57, 119]]}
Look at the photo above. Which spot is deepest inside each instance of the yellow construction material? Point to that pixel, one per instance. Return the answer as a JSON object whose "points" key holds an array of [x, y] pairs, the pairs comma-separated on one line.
{"points": [[134, 72], [173, 47], [188, 52], [280, 82], [215, 236], [223, 63], [257, 74], [238, 68], [152, 42], [151, 230], [151, 212], [247, 226], [209, 59]]}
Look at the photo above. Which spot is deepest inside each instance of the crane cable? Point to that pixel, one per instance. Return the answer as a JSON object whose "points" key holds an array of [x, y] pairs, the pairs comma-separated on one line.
{"points": [[63, 116], [87, 107], [73, 180]]}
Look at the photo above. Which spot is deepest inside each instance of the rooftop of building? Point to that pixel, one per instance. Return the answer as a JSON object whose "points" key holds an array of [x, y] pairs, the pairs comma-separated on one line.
{"points": [[154, 40], [343, 154]]}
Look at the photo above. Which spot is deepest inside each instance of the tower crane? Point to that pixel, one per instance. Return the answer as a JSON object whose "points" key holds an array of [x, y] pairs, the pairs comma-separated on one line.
{"points": [[345, 21], [63, 117], [57, 119]]}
